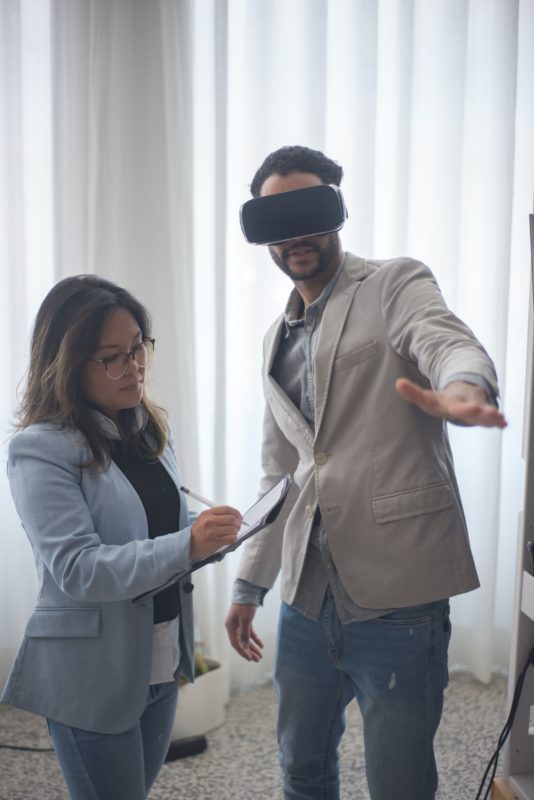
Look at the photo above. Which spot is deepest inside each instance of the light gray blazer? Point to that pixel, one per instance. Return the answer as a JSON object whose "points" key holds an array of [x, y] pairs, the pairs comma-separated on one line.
{"points": [[379, 469], [86, 655]]}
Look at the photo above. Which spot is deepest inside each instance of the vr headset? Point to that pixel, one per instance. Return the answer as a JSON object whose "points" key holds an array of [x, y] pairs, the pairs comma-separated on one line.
{"points": [[291, 215]]}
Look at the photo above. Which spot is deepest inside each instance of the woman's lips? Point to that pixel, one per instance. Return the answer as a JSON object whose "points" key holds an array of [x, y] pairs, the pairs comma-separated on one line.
{"points": [[132, 385]]}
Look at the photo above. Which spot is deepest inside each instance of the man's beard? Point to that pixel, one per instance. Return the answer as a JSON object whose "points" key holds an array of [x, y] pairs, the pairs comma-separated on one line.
{"points": [[326, 255]]}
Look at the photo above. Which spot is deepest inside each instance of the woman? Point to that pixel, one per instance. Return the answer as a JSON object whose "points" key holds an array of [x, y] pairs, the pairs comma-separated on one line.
{"points": [[94, 478]]}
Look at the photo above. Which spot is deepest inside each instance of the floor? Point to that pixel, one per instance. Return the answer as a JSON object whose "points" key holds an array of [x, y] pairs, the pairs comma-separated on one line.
{"points": [[241, 759]]}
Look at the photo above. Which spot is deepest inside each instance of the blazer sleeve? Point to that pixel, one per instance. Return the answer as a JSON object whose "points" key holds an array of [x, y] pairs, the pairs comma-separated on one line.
{"points": [[46, 482], [422, 329], [262, 554]]}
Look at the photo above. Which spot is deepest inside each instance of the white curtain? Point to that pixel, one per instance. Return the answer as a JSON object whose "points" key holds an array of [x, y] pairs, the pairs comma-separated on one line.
{"points": [[26, 264], [149, 120]]}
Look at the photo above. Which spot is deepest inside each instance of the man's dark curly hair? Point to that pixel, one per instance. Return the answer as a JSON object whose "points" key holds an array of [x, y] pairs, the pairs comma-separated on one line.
{"points": [[295, 158]]}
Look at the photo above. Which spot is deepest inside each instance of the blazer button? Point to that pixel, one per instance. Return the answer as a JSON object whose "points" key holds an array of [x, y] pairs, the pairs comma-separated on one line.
{"points": [[320, 458], [188, 587]]}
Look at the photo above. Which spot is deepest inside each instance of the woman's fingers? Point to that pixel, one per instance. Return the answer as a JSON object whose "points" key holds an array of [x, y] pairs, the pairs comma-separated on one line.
{"points": [[214, 529]]}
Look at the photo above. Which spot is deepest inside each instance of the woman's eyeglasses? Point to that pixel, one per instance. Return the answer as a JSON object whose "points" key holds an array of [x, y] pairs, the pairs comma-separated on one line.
{"points": [[116, 365]]}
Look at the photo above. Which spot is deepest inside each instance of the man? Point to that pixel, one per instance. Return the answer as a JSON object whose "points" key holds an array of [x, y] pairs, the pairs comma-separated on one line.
{"points": [[360, 374]]}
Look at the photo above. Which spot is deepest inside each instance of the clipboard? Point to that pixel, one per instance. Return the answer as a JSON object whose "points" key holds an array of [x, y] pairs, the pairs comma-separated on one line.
{"points": [[261, 513]]}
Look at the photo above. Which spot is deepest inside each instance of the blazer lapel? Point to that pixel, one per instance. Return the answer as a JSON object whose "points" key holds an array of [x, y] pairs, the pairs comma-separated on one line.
{"points": [[170, 465], [332, 325]]}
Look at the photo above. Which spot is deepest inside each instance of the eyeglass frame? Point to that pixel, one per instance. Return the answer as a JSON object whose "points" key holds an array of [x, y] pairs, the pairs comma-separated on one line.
{"points": [[129, 355]]}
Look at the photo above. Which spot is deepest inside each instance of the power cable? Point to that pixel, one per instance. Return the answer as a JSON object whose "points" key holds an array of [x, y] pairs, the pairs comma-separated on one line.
{"points": [[492, 764]]}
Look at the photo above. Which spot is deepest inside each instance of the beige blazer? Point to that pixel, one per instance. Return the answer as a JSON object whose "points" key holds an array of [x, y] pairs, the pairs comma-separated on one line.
{"points": [[380, 470]]}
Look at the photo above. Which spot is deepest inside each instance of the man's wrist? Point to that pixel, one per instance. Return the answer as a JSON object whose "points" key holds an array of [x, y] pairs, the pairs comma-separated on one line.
{"points": [[247, 594], [476, 380]]}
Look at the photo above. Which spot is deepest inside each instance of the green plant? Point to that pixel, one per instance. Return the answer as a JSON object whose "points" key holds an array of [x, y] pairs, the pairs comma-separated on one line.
{"points": [[201, 663]]}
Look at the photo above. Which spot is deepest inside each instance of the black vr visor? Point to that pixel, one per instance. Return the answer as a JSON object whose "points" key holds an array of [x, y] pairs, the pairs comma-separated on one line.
{"points": [[292, 215]]}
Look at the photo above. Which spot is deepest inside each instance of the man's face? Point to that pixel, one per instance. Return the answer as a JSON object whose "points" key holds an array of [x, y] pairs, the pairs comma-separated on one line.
{"points": [[305, 258]]}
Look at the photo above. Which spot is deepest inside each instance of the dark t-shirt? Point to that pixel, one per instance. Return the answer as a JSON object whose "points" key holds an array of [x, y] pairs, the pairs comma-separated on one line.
{"points": [[161, 501]]}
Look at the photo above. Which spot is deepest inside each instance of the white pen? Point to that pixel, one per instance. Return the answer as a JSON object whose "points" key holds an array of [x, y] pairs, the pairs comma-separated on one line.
{"points": [[203, 500]]}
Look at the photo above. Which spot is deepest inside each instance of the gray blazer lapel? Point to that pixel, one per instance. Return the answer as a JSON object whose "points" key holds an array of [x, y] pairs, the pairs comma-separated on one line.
{"points": [[332, 325]]}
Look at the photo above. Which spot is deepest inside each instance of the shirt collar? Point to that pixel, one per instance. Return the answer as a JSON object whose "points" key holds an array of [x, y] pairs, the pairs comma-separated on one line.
{"points": [[293, 314], [109, 427]]}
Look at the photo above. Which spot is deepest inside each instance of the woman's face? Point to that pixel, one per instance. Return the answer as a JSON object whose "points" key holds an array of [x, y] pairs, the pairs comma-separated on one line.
{"points": [[120, 334]]}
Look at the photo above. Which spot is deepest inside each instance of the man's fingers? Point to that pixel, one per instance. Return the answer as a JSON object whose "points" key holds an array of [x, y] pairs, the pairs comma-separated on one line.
{"points": [[408, 389], [241, 648], [425, 399], [255, 638], [253, 653], [250, 646], [245, 647], [486, 416], [241, 633], [446, 405]]}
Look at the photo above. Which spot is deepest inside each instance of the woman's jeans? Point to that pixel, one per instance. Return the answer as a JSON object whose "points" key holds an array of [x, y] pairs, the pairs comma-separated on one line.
{"points": [[118, 766], [396, 668]]}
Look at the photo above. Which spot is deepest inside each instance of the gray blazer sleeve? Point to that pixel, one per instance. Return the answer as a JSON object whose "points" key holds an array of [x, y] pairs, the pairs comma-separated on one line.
{"points": [[262, 554], [57, 503]]}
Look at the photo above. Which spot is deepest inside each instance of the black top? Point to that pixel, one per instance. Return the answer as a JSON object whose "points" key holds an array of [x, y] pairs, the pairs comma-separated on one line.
{"points": [[161, 501]]}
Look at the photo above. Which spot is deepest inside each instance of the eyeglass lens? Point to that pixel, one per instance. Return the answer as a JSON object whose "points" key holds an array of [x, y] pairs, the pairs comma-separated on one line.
{"points": [[117, 365]]}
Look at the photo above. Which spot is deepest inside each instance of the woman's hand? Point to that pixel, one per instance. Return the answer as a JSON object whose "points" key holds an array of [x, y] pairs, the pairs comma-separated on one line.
{"points": [[212, 529]]}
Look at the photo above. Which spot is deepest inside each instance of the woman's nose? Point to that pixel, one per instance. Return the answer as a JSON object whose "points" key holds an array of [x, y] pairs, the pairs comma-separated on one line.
{"points": [[132, 367]]}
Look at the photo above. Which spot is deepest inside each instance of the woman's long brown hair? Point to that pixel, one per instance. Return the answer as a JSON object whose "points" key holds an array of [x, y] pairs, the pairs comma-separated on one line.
{"points": [[66, 333]]}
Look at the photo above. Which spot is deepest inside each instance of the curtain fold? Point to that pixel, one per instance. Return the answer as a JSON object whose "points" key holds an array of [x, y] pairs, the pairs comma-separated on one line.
{"points": [[123, 166], [26, 264], [129, 134]]}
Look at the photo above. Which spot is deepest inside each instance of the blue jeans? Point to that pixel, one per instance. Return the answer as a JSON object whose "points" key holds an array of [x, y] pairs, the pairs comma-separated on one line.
{"points": [[396, 668], [117, 766]]}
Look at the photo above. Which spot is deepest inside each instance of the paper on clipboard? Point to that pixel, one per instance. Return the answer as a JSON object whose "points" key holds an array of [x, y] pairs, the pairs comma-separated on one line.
{"points": [[261, 513], [264, 511]]}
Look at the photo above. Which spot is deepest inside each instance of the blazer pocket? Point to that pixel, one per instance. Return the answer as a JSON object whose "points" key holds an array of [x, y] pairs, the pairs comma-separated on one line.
{"points": [[412, 503], [356, 356], [64, 623]]}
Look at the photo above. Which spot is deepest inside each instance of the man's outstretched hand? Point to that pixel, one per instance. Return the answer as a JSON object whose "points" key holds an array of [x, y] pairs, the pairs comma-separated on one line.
{"points": [[458, 402]]}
